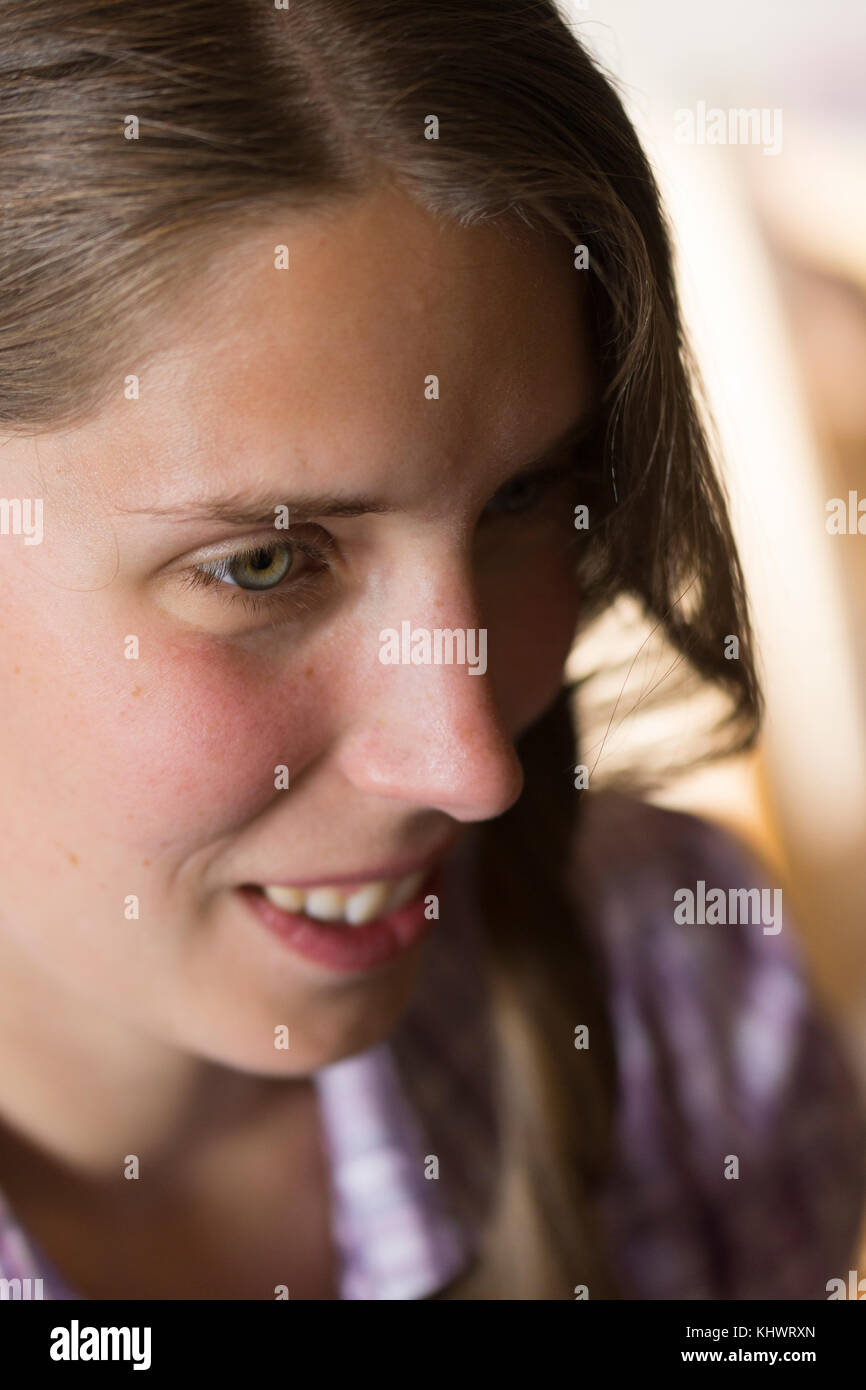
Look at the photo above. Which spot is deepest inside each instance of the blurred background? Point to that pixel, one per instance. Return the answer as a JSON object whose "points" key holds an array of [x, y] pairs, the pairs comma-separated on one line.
{"points": [[771, 251]]}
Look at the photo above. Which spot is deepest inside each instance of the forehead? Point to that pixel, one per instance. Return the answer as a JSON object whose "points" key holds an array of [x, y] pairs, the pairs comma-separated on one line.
{"points": [[392, 335]]}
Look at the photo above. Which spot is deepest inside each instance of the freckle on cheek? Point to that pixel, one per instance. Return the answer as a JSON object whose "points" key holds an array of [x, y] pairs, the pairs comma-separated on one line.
{"points": [[212, 769]]}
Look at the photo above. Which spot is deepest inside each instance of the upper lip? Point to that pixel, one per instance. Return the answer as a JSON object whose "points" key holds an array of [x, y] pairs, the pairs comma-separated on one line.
{"points": [[396, 868]]}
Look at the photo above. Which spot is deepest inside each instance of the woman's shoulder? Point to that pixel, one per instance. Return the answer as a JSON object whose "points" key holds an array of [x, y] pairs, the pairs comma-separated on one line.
{"points": [[660, 885], [621, 836], [741, 1129]]}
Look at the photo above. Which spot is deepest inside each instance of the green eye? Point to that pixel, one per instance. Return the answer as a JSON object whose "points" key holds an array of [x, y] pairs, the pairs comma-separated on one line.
{"points": [[264, 575], [262, 568]]}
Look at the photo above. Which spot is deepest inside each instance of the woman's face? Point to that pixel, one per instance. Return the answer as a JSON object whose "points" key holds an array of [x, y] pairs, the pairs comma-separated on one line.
{"points": [[148, 702]]}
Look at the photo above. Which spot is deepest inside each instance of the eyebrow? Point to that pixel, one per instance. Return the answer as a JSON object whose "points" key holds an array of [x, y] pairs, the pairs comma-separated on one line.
{"points": [[244, 509]]}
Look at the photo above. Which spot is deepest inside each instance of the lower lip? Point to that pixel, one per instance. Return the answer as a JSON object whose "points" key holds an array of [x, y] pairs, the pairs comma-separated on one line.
{"points": [[342, 947]]}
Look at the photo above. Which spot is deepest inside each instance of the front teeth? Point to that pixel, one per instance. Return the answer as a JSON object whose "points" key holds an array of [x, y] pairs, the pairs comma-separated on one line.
{"points": [[364, 904], [325, 904], [368, 902]]}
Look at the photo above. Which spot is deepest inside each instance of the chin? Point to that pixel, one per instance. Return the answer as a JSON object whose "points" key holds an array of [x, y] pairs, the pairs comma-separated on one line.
{"points": [[324, 1032]]}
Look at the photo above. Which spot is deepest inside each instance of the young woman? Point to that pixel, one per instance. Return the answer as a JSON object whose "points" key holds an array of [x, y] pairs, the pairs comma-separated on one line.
{"points": [[321, 973]]}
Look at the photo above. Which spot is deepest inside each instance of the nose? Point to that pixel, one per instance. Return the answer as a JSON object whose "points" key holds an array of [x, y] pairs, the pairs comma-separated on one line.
{"points": [[432, 735]]}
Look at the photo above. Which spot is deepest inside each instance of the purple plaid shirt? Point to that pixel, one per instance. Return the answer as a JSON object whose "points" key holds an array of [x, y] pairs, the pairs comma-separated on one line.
{"points": [[722, 1052]]}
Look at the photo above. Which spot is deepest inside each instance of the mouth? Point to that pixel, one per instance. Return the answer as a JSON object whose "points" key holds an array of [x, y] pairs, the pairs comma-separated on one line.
{"points": [[353, 927], [352, 907]]}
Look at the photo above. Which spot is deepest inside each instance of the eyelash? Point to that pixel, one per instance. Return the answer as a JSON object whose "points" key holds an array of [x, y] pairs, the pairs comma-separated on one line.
{"points": [[214, 574]]}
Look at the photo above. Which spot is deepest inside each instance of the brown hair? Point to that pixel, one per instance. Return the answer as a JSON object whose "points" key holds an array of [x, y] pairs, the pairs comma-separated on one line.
{"points": [[244, 106]]}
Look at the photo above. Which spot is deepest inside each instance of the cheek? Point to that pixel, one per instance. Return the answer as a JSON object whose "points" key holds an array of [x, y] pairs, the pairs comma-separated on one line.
{"points": [[171, 749], [199, 733], [531, 618]]}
